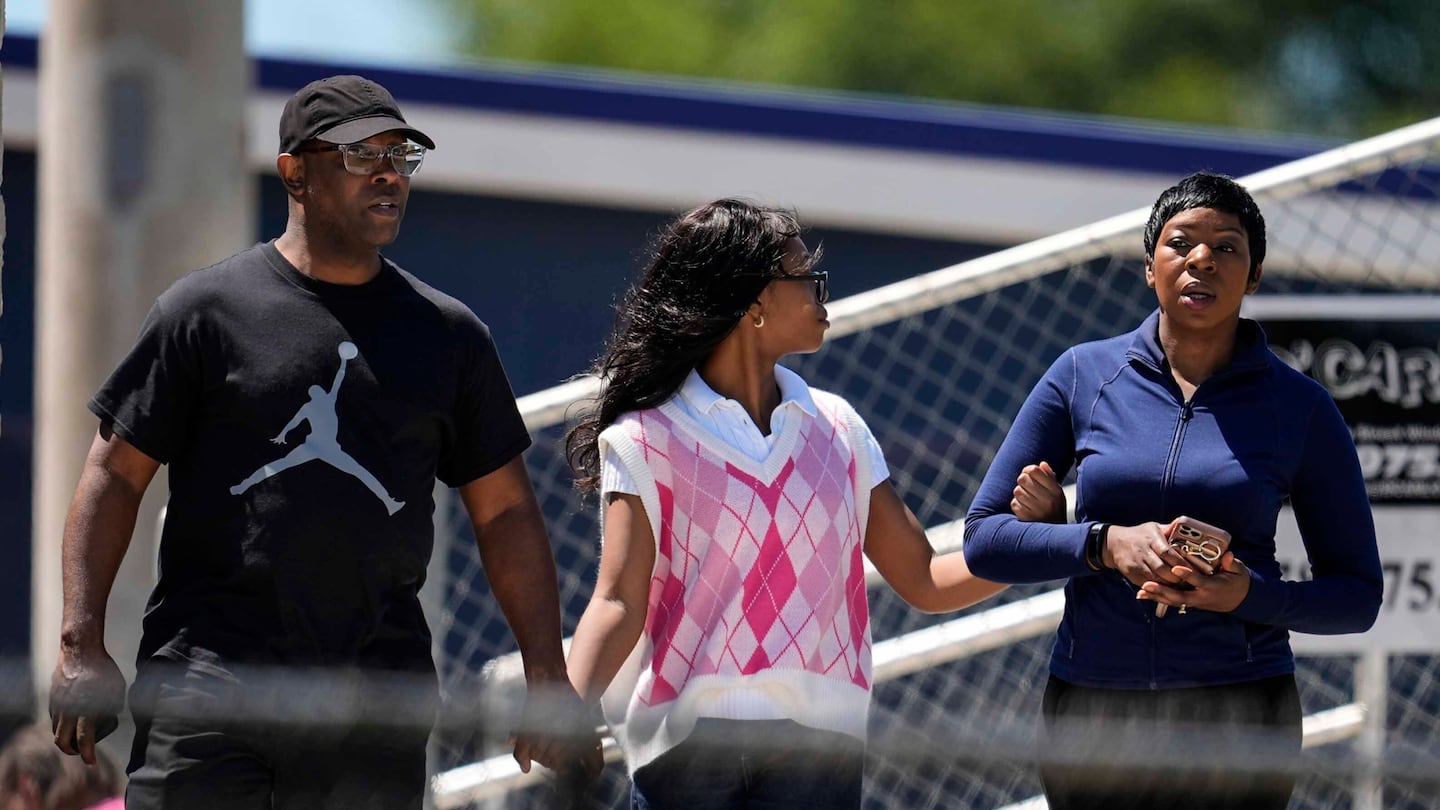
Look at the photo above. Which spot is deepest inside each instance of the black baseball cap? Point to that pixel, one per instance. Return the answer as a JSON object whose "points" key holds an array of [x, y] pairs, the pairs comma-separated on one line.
{"points": [[342, 109]]}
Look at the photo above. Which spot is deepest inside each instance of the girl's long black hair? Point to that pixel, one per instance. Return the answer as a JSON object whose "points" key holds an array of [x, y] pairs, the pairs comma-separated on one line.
{"points": [[707, 267]]}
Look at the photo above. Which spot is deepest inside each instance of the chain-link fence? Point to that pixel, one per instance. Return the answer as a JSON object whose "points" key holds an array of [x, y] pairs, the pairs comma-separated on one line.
{"points": [[938, 366]]}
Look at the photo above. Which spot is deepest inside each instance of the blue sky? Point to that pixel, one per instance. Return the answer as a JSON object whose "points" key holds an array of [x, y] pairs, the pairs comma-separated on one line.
{"points": [[394, 31]]}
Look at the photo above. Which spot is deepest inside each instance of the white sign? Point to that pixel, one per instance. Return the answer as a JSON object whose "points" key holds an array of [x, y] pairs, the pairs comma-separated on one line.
{"points": [[1409, 619], [1379, 357]]}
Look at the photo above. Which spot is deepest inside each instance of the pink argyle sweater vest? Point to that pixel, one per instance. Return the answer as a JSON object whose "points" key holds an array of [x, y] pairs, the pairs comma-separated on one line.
{"points": [[758, 591]]}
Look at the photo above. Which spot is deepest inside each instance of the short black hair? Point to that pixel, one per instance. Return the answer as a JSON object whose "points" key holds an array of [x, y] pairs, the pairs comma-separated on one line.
{"points": [[1209, 190]]}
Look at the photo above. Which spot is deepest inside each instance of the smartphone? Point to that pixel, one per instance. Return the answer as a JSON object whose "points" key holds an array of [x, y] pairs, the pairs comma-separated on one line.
{"points": [[1202, 544]]}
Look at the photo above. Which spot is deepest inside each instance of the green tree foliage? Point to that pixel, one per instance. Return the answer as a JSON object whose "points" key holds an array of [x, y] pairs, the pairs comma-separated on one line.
{"points": [[1335, 68]]}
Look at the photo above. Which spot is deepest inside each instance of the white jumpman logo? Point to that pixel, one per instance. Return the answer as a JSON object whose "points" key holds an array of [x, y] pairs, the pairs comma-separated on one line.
{"points": [[322, 443]]}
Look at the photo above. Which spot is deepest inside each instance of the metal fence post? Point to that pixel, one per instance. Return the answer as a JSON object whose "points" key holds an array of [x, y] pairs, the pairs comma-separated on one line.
{"points": [[1372, 683]]}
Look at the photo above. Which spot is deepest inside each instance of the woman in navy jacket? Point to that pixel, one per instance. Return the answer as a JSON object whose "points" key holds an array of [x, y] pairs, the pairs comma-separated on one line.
{"points": [[1190, 414]]}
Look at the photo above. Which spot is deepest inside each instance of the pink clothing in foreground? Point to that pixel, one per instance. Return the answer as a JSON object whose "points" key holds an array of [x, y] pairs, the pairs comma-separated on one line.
{"points": [[758, 593]]}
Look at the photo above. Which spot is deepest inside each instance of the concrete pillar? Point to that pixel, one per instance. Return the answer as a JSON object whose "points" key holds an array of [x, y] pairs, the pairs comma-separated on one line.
{"points": [[141, 178]]}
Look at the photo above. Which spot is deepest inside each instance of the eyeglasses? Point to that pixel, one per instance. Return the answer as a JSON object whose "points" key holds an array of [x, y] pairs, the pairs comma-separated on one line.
{"points": [[364, 159], [821, 279]]}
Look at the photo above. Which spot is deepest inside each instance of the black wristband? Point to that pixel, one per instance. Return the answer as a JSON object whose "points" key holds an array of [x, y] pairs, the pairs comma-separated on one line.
{"points": [[1095, 546]]}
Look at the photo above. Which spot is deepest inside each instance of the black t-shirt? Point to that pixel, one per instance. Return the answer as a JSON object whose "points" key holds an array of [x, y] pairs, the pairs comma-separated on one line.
{"points": [[305, 424]]}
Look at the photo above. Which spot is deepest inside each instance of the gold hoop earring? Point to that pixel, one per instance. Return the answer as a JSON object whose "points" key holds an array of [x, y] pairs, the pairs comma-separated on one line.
{"points": [[759, 322]]}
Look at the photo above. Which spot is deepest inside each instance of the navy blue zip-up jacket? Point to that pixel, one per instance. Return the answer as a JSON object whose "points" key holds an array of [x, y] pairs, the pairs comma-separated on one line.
{"points": [[1254, 434]]}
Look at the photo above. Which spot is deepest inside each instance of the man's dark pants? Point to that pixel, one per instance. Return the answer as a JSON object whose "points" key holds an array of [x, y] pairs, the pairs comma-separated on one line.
{"points": [[213, 742]]}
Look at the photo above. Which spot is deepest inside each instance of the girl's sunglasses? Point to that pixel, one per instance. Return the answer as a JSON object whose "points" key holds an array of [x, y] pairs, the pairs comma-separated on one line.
{"points": [[821, 279]]}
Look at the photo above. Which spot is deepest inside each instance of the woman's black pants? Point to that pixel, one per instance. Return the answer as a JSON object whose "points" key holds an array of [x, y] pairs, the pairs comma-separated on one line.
{"points": [[1231, 746]]}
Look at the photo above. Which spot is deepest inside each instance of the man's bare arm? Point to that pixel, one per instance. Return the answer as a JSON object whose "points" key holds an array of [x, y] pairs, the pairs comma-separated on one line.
{"points": [[87, 691], [518, 563]]}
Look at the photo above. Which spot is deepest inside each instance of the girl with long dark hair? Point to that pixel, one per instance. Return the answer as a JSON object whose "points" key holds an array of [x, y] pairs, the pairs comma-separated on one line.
{"points": [[728, 633]]}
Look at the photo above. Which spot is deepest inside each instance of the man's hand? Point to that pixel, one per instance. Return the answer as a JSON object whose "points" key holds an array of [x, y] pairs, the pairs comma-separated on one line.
{"points": [[557, 732], [87, 694], [1038, 496]]}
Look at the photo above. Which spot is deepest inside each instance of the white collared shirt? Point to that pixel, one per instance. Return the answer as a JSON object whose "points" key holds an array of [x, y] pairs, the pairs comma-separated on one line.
{"points": [[726, 420]]}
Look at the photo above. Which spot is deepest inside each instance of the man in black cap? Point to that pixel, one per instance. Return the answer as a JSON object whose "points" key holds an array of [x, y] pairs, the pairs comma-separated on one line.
{"points": [[306, 393]]}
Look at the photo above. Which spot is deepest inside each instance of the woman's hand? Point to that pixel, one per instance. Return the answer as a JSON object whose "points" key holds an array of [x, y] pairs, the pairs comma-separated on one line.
{"points": [[1038, 496], [1143, 554], [1222, 591], [896, 543]]}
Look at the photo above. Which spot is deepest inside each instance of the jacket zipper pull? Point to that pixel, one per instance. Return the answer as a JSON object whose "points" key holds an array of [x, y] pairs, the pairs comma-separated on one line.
{"points": [[1187, 410]]}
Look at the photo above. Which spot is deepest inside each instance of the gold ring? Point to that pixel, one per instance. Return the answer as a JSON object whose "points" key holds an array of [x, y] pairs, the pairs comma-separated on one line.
{"points": [[1182, 608]]}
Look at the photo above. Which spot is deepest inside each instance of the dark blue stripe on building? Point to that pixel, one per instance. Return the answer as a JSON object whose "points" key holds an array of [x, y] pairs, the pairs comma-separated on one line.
{"points": [[832, 118]]}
